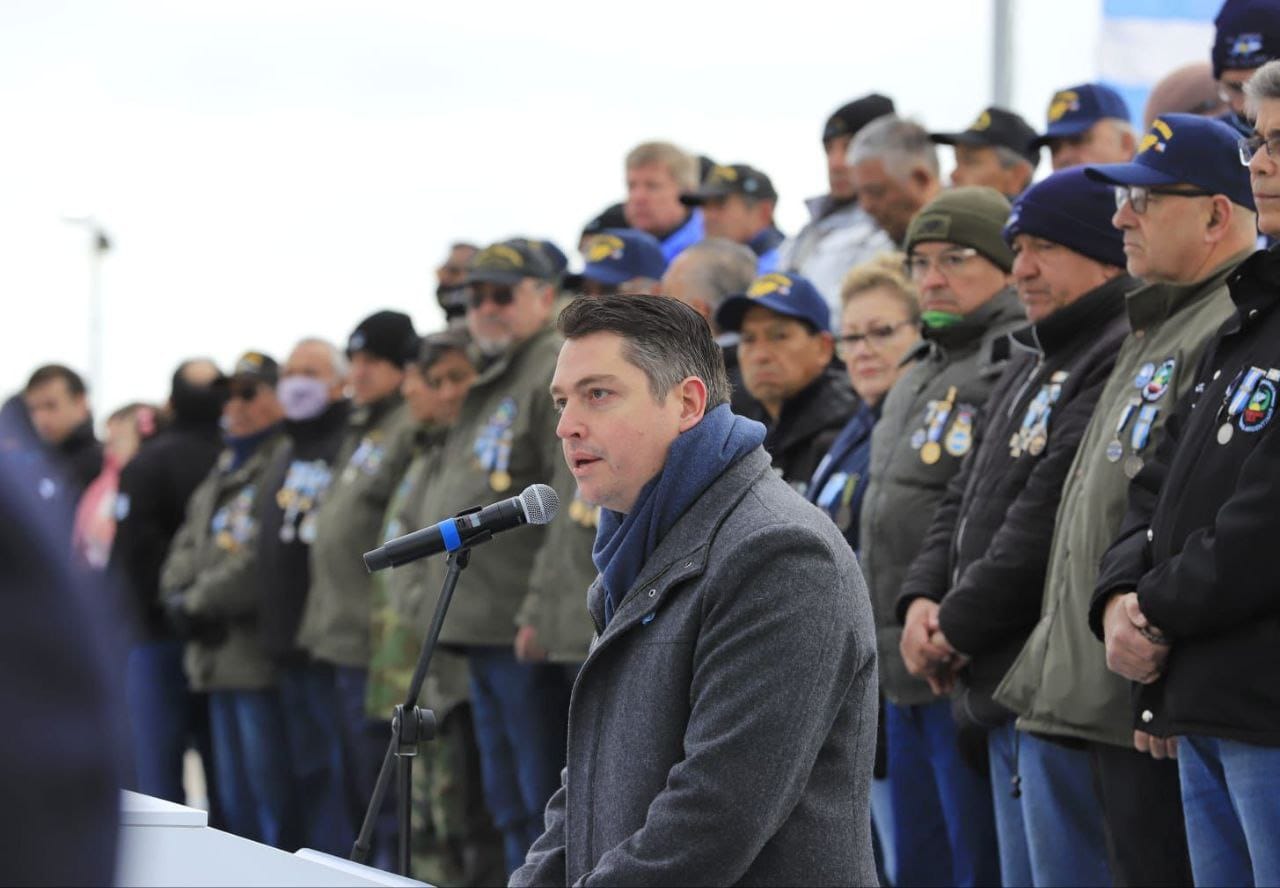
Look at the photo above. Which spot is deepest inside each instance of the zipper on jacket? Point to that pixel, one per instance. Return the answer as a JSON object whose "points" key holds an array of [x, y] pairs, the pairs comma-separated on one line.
{"points": [[1026, 383]]}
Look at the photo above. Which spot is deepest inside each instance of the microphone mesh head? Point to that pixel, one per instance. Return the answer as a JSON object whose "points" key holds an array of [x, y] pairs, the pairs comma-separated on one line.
{"points": [[540, 503]]}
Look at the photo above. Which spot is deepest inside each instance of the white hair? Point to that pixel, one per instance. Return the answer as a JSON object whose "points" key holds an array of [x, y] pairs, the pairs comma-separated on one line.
{"points": [[900, 143]]}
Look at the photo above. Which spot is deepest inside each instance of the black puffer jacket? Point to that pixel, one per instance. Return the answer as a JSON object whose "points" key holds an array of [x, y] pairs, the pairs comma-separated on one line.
{"points": [[1201, 526], [809, 424], [986, 553]]}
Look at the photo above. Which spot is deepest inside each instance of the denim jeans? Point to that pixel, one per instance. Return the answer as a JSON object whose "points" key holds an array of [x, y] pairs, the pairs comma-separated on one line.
{"points": [[253, 780], [364, 743], [165, 718], [1003, 747], [1065, 839], [1231, 798], [520, 712], [943, 826], [311, 716]]}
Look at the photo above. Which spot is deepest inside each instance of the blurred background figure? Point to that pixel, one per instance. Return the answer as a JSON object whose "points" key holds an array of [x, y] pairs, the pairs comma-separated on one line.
{"points": [[1247, 37], [1190, 89], [894, 166], [997, 150], [657, 173], [737, 204], [57, 403], [1088, 123], [95, 523], [450, 277], [622, 260]]}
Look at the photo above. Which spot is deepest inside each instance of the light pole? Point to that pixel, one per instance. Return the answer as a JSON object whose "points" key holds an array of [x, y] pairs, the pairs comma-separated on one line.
{"points": [[99, 245], [1002, 54]]}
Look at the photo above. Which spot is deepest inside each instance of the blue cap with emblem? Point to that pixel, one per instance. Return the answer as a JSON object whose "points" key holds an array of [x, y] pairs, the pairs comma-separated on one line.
{"points": [[1183, 149], [786, 294], [1070, 209], [1075, 109], [1247, 35], [618, 255]]}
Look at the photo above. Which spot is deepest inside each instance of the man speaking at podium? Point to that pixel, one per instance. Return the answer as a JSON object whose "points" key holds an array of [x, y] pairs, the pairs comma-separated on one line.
{"points": [[722, 728]]}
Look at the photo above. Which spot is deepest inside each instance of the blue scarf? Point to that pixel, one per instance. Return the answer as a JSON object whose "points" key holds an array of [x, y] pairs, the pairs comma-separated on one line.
{"points": [[697, 457]]}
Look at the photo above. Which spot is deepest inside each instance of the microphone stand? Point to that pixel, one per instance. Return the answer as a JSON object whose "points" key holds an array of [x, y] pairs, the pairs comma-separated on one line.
{"points": [[411, 725]]}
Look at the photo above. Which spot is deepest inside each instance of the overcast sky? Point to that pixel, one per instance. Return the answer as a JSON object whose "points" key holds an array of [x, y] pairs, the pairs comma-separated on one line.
{"points": [[270, 170]]}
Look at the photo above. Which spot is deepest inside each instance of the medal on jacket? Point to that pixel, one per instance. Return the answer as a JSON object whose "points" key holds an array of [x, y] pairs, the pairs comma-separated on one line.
{"points": [[1139, 438], [931, 450], [1115, 449], [960, 438], [583, 513], [492, 447], [1251, 397], [367, 457], [1160, 380], [844, 514], [1033, 435]]}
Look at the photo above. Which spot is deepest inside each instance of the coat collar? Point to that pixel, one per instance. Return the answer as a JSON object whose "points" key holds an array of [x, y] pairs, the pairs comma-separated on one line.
{"points": [[1153, 303], [1253, 288], [822, 404], [497, 368], [969, 332], [683, 552], [1084, 317]]}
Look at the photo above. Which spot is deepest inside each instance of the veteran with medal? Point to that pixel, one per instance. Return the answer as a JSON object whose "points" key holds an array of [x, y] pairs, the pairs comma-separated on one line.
{"points": [[979, 575], [1186, 599], [504, 440], [1187, 218], [959, 263]]}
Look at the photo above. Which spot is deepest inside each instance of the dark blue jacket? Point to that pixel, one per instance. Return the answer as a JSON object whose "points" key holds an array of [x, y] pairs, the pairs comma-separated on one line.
{"points": [[688, 234], [841, 478]]}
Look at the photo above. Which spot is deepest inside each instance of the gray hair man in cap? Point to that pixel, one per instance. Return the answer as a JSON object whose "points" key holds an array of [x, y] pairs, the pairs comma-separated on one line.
{"points": [[839, 234], [995, 150], [737, 203]]}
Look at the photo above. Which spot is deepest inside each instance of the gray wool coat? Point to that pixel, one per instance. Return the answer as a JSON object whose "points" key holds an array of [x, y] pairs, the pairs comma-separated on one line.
{"points": [[722, 729]]}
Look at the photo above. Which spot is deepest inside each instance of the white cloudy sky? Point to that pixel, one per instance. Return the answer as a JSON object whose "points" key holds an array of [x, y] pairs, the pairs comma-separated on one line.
{"points": [[269, 170]]}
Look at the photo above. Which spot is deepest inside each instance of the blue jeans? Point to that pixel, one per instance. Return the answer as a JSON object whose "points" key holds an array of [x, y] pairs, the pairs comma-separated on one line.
{"points": [[364, 743], [166, 718], [943, 826], [1231, 798], [1011, 828], [1052, 833], [1065, 837], [520, 713], [253, 769], [311, 711]]}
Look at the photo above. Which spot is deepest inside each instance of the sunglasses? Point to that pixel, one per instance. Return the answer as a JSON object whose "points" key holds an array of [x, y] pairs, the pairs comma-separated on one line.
{"points": [[245, 391], [500, 296]]}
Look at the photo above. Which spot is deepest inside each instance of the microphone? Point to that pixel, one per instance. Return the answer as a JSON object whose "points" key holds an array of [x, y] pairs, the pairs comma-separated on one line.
{"points": [[537, 504]]}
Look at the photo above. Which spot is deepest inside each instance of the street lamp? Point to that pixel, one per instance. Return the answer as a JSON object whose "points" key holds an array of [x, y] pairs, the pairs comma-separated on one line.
{"points": [[99, 245]]}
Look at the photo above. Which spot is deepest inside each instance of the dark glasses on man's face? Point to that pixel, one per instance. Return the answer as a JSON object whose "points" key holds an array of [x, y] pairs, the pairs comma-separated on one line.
{"points": [[245, 391], [500, 296]]}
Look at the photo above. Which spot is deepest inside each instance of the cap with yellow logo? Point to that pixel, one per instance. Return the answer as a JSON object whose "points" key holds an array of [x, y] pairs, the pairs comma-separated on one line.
{"points": [[618, 255], [1075, 109], [787, 294], [724, 180], [509, 262], [995, 128]]}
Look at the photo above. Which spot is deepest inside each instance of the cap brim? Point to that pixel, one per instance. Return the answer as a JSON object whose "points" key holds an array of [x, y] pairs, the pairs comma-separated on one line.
{"points": [[605, 274], [1129, 174], [1062, 131], [702, 195], [494, 276], [731, 312]]}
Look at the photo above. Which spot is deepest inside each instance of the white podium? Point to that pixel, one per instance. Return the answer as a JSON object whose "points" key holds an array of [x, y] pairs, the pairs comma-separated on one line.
{"points": [[163, 844]]}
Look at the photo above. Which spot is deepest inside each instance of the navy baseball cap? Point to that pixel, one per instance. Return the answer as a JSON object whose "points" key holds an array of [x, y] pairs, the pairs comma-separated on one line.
{"points": [[1247, 35], [1184, 149], [786, 294], [509, 262], [1074, 109], [995, 128], [618, 255]]}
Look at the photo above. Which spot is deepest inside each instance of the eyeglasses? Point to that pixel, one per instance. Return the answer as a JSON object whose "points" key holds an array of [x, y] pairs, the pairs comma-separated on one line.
{"points": [[1137, 196], [245, 391], [1249, 146], [947, 262], [875, 337], [500, 296]]}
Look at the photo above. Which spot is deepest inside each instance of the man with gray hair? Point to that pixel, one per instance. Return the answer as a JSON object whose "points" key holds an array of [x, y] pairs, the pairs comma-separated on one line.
{"points": [[316, 418], [704, 276], [995, 150], [894, 166]]}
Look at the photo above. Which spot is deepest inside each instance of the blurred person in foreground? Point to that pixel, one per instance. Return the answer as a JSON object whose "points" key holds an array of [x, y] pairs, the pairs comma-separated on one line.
{"points": [[839, 234], [1186, 608], [741, 600], [894, 167]]}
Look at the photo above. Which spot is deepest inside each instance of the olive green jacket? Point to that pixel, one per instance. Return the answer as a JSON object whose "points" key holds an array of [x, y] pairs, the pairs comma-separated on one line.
{"points": [[402, 604], [926, 428], [348, 522], [1060, 684], [504, 440], [213, 558], [557, 602]]}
